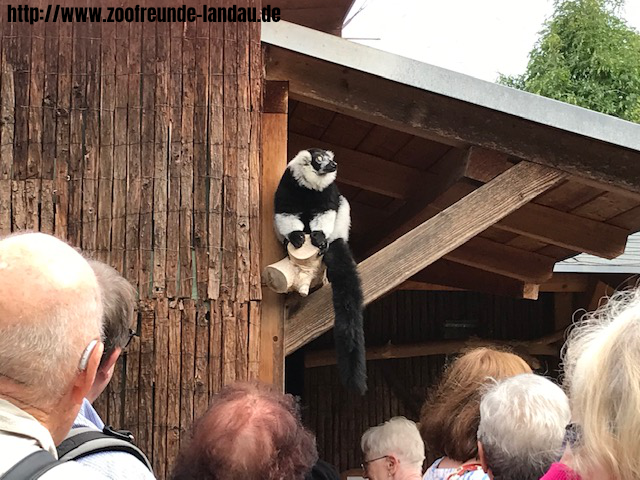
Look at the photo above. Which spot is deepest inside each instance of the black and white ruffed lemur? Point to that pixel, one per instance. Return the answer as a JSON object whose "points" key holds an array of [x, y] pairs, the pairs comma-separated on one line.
{"points": [[308, 201]]}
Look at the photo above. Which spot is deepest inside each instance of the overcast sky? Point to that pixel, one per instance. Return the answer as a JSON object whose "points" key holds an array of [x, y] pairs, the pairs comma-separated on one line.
{"points": [[478, 37]]}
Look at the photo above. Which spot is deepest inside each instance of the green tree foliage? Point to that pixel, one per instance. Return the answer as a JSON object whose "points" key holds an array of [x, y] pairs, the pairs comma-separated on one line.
{"points": [[587, 56]]}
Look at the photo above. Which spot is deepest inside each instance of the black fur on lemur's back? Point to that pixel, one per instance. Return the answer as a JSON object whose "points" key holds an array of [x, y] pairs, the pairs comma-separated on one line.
{"points": [[304, 204]]}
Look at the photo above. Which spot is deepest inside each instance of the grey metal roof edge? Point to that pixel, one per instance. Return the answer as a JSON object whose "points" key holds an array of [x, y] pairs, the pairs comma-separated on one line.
{"points": [[455, 85], [578, 268], [628, 262]]}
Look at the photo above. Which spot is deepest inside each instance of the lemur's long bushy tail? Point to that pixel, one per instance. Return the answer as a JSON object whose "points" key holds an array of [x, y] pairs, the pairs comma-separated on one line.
{"points": [[348, 332]]}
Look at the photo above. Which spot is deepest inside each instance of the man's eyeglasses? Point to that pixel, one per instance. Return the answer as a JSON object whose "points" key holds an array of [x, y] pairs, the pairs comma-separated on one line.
{"points": [[132, 333], [366, 463]]}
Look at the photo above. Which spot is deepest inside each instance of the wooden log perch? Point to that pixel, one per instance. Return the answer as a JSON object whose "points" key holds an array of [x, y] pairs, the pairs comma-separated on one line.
{"points": [[300, 271]]}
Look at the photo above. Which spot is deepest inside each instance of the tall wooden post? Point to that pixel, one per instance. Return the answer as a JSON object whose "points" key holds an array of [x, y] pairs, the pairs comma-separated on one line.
{"points": [[274, 161]]}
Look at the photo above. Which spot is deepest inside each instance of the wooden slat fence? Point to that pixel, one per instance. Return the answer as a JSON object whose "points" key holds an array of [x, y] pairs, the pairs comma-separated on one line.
{"points": [[139, 144]]}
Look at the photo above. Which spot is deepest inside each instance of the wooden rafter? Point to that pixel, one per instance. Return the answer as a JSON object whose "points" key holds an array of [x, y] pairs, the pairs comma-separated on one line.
{"points": [[452, 274], [568, 231], [552, 226], [542, 346], [368, 171], [425, 244], [560, 283], [504, 260], [474, 163]]}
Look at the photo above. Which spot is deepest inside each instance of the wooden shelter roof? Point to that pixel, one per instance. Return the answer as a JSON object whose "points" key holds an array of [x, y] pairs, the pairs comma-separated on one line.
{"points": [[322, 15], [412, 140]]}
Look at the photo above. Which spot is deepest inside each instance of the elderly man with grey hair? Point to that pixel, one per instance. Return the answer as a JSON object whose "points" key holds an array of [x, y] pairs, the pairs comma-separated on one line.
{"points": [[50, 348], [522, 427], [118, 302]]}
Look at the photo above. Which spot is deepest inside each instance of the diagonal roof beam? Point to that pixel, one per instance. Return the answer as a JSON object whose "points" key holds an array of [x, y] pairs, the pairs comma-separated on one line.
{"points": [[425, 244], [453, 167]]}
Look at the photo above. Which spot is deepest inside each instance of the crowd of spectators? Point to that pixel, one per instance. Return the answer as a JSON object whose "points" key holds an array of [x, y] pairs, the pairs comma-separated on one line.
{"points": [[65, 321]]}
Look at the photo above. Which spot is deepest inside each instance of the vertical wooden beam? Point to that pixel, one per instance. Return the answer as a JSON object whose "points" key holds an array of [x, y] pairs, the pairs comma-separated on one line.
{"points": [[186, 161], [274, 160], [161, 390], [173, 384], [563, 310], [161, 159], [7, 112]]}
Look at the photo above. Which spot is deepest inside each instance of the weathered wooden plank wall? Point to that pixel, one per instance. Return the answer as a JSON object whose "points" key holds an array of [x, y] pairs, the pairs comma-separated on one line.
{"points": [[140, 144], [399, 386]]}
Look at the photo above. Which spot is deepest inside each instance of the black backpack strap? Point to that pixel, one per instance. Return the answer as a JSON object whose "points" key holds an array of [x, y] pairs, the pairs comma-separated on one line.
{"points": [[83, 441], [31, 467]]}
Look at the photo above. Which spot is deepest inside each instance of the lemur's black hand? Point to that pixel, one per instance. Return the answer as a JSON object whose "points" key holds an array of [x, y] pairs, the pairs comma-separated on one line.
{"points": [[297, 238], [319, 240]]}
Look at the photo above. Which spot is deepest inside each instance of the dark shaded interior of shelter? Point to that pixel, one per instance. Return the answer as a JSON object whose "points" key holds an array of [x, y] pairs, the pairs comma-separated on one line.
{"points": [[398, 386]]}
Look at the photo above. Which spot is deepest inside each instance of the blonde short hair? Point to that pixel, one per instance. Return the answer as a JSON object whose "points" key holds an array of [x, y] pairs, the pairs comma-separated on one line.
{"points": [[450, 416], [602, 369]]}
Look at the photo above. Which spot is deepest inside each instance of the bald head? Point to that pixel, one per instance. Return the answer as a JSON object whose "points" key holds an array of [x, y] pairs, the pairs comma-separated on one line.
{"points": [[49, 311]]}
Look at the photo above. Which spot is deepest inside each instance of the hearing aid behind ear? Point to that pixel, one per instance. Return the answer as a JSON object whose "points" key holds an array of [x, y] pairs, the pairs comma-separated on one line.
{"points": [[84, 359]]}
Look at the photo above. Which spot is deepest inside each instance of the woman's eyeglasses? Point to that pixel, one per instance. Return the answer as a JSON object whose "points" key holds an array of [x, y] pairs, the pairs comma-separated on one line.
{"points": [[366, 463]]}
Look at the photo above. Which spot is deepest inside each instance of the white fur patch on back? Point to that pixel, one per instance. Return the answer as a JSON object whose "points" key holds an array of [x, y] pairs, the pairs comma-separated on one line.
{"points": [[285, 223], [306, 175], [343, 221], [324, 222]]}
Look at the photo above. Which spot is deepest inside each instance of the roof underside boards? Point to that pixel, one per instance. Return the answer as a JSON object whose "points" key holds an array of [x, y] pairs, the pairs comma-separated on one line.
{"points": [[383, 172], [412, 140]]}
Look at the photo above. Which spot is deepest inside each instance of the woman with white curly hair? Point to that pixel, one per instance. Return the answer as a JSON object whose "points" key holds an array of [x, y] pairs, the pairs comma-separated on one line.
{"points": [[602, 375], [393, 450]]}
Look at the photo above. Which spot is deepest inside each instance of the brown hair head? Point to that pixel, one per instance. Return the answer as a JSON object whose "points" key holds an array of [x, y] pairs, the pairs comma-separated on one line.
{"points": [[119, 300], [449, 418], [251, 432]]}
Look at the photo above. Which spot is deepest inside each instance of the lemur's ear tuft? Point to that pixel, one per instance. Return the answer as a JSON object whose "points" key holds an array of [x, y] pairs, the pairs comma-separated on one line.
{"points": [[303, 156]]}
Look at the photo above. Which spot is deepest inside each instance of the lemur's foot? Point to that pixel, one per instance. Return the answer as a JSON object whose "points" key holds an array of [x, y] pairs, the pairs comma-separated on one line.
{"points": [[297, 238], [319, 240]]}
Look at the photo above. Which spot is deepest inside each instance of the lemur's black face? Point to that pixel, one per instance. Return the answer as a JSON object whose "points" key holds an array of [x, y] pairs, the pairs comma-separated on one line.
{"points": [[322, 161]]}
